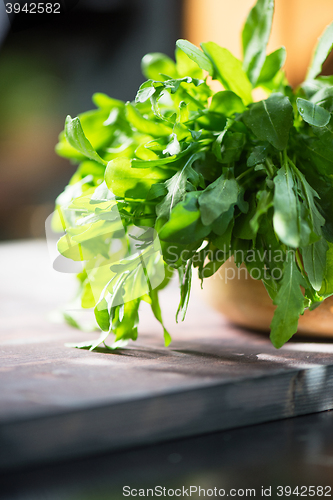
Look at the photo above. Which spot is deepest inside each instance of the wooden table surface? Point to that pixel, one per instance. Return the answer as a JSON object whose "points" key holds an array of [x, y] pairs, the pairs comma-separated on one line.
{"points": [[58, 402]]}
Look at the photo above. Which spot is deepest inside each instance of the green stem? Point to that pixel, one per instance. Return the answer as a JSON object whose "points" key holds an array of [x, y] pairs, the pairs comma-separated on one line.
{"points": [[270, 167], [240, 176], [292, 164], [285, 158], [299, 262], [309, 289], [185, 94]]}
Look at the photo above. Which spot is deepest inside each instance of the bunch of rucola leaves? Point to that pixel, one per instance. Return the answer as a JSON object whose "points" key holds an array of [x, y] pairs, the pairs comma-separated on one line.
{"points": [[212, 174]]}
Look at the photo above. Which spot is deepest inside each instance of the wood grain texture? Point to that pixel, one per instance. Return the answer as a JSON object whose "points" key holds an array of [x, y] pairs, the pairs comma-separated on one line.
{"points": [[58, 402]]}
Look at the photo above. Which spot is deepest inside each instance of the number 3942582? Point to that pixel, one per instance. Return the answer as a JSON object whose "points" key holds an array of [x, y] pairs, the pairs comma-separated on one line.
{"points": [[33, 8]]}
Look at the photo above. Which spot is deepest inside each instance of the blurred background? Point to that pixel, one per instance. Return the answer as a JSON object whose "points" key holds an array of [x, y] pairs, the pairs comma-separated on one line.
{"points": [[50, 65]]}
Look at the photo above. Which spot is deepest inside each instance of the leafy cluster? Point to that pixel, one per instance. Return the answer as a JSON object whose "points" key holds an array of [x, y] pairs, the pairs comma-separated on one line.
{"points": [[213, 173]]}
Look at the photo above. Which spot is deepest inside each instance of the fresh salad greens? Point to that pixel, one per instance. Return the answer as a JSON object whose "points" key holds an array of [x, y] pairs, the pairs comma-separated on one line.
{"points": [[203, 176]]}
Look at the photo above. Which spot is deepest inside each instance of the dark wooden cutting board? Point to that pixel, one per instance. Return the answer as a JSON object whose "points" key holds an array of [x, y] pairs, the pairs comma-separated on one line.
{"points": [[58, 402]]}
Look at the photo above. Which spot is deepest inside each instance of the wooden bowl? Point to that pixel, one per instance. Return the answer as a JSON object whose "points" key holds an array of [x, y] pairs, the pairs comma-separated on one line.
{"points": [[244, 301]]}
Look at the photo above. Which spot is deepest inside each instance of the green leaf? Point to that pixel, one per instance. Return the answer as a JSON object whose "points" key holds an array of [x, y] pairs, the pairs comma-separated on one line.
{"points": [[135, 275], [227, 103], [95, 127], [314, 260], [185, 281], [154, 302], [228, 70], [324, 47], [271, 287], [232, 147], [325, 136], [258, 155], [145, 92], [314, 255], [102, 315], [196, 55], [124, 325], [199, 259], [174, 84], [271, 120], [176, 187], [264, 203], [175, 254], [71, 321], [76, 138], [184, 225], [272, 66], [327, 285], [94, 232], [290, 303], [320, 152], [218, 198], [274, 254], [87, 297], [255, 263], [155, 64], [239, 249], [173, 147], [98, 125], [210, 120], [125, 181], [223, 221], [88, 168], [105, 102], [312, 113], [211, 268], [317, 157], [186, 66], [324, 98], [151, 127], [80, 251], [176, 190], [255, 37], [159, 162], [243, 228], [155, 307], [285, 217], [156, 191]]}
